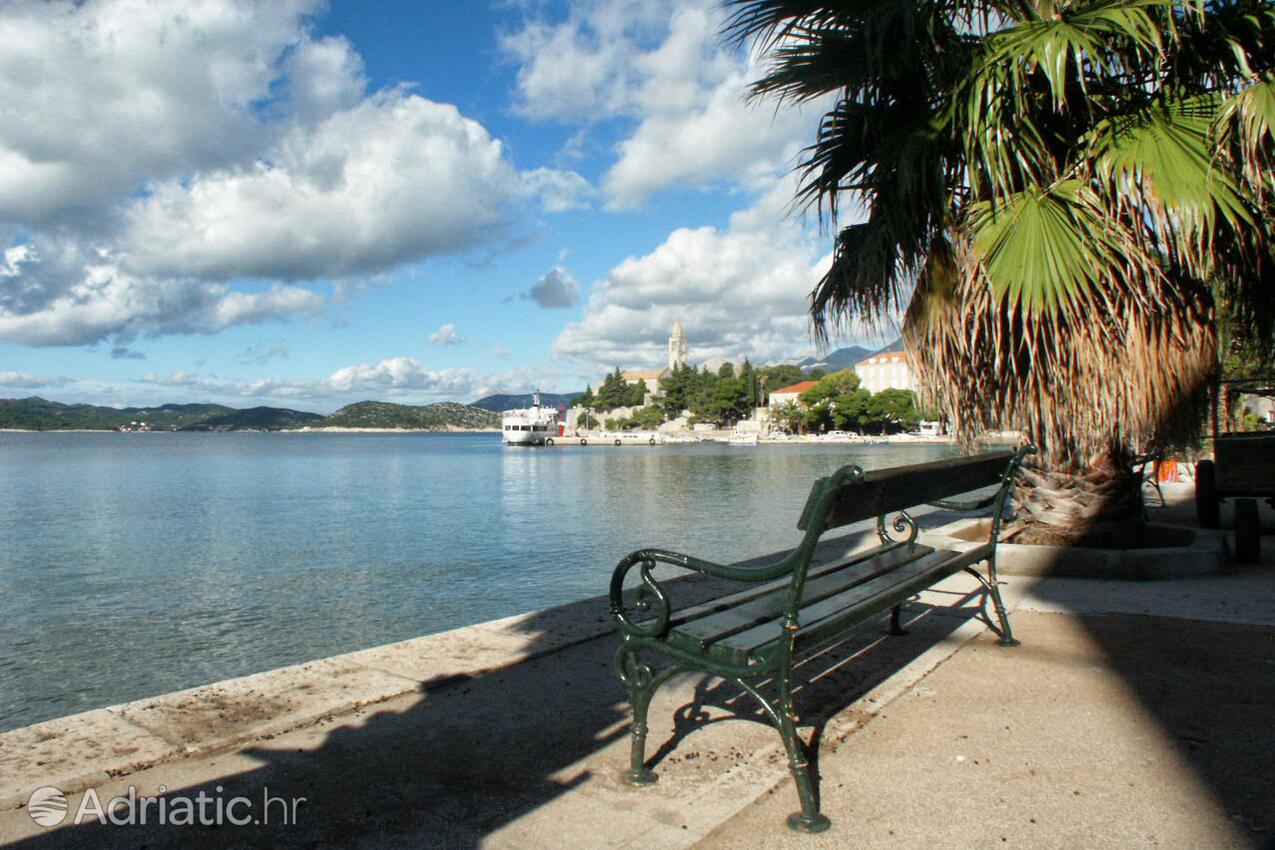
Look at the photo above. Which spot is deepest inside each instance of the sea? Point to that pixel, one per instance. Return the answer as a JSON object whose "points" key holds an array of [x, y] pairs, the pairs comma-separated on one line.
{"points": [[134, 564]]}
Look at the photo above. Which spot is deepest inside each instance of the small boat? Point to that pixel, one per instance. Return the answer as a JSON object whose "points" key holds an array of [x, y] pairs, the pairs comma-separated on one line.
{"points": [[743, 440], [529, 426]]}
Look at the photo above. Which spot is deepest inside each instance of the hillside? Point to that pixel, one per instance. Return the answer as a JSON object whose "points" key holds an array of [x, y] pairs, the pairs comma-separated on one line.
{"points": [[842, 358], [835, 361], [430, 417], [256, 419], [502, 401], [38, 414]]}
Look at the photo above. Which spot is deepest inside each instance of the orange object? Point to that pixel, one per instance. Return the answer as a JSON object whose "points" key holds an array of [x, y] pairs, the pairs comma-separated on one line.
{"points": [[1167, 471]]}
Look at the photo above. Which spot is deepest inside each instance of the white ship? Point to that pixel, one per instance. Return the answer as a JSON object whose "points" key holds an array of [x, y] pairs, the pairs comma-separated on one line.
{"points": [[530, 426]]}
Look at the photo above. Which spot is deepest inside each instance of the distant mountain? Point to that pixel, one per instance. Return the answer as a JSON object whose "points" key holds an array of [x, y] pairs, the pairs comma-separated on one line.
{"points": [[501, 402], [897, 345], [256, 419], [443, 416], [835, 361], [842, 358], [38, 414]]}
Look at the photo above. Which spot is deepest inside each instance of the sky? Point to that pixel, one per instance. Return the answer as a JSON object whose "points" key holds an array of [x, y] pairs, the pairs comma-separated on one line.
{"points": [[308, 204]]}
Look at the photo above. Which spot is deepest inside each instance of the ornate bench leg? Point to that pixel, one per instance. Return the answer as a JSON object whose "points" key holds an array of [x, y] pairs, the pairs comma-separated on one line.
{"points": [[638, 773], [994, 587], [639, 680], [809, 818]]}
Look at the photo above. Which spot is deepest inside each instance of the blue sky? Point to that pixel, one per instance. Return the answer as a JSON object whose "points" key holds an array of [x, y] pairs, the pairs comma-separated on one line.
{"points": [[304, 204]]}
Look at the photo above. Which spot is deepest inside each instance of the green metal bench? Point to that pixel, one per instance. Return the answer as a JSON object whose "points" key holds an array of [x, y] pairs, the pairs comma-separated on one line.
{"points": [[790, 608]]}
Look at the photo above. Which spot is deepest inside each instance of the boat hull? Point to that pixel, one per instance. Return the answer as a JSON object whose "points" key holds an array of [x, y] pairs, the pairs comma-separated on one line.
{"points": [[526, 438]]}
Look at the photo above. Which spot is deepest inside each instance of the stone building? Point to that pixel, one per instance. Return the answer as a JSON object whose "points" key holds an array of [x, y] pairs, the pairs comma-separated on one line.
{"points": [[792, 393], [885, 370], [677, 352]]}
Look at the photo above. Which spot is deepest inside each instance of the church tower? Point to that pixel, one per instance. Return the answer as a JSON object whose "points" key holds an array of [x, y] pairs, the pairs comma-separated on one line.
{"points": [[676, 347]]}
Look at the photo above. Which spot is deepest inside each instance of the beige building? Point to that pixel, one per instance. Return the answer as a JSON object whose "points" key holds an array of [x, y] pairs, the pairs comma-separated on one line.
{"points": [[884, 371], [677, 351], [650, 377], [790, 393]]}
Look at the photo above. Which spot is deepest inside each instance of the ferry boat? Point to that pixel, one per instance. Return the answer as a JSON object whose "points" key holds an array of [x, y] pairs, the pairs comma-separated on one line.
{"points": [[529, 426]]}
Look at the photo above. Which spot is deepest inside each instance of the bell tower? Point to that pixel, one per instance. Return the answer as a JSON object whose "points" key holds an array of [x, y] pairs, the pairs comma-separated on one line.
{"points": [[677, 347]]}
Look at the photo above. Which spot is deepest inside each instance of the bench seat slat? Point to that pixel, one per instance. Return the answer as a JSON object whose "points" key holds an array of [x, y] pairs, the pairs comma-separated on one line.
{"points": [[818, 632], [836, 614], [836, 579], [730, 600]]}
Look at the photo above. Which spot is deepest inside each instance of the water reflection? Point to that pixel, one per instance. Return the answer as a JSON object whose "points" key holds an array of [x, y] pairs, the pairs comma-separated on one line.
{"points": [[133, 564]]}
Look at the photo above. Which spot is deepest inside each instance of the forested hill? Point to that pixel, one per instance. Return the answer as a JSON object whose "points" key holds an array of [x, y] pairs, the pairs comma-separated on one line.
{"points": [[38, 414], [443, 416], [501, 402]]}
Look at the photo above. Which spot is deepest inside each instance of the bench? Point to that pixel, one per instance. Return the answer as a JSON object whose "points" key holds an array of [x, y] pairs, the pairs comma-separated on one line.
{"points": [[789, 608]]}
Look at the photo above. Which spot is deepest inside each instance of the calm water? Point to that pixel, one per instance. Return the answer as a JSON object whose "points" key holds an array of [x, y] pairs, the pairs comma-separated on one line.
{"points": [[135, 564]]}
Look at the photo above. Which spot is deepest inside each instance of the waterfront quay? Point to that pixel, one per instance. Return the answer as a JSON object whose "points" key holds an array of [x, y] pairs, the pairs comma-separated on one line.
{"points": [[1134, 714]]}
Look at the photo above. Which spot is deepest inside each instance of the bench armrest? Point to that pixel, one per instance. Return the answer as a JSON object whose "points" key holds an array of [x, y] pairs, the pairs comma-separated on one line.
{"points": [[651, 594], [954, 505]]}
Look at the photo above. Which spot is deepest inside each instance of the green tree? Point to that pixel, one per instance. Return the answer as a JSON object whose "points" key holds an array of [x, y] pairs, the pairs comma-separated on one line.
{"points": [[790, 417], [778, 377], [1057, 190], [891, 410], [852, 411], [728, 402], [838, 383], [752, 390], [676, 389]]}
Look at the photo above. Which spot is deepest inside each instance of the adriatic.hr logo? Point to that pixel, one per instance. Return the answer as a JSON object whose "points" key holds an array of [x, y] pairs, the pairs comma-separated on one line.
{"points": [[48, 807]]}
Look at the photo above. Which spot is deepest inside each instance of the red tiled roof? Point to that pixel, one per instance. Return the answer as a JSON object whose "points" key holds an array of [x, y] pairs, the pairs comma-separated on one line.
{"points": [[796, 388], [887, 357]]}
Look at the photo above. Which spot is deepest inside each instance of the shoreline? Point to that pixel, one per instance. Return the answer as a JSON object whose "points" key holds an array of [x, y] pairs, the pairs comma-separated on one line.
{"points": [[307, 430]]}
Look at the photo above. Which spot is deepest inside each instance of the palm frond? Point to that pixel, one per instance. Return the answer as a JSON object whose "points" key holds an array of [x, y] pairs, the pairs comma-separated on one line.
{"points": [[1052, 249], [1128, 373], [1246, 125], [1158, 164]]}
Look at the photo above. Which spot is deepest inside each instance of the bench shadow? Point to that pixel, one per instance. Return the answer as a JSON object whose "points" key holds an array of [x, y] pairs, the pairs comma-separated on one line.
{"points": [[472, 755], [826, 683]]}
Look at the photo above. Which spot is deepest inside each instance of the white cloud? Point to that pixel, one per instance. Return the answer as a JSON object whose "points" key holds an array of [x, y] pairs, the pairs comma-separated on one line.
{"points": [[500, 352], [153, 153], [396, 178], [324, 76], [662, 65], [739, 292], [403, 379], [446, 335], [27, 381], [555, 290], [104, 301], [104, 95], [558, 191]]}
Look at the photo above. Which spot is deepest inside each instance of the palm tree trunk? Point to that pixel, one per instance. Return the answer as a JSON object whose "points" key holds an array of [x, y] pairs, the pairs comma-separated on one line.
{"points": [[1073, 504]]}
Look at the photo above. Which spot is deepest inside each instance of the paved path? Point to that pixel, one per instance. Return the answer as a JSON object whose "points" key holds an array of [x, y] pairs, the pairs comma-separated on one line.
{"points": [[1102, 731]]}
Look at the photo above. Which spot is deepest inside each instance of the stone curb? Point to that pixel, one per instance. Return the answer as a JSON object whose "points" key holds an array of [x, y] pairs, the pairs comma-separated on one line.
{"points": [[1206, 555], [78, 751]]}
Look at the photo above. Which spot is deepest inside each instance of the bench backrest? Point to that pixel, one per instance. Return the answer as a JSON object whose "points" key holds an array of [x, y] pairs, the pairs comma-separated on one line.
{"points": [[887, 491]]}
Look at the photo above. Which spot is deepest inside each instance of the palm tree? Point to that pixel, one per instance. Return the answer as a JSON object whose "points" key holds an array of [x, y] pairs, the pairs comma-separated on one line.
{"points": [[1054, 196]]}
